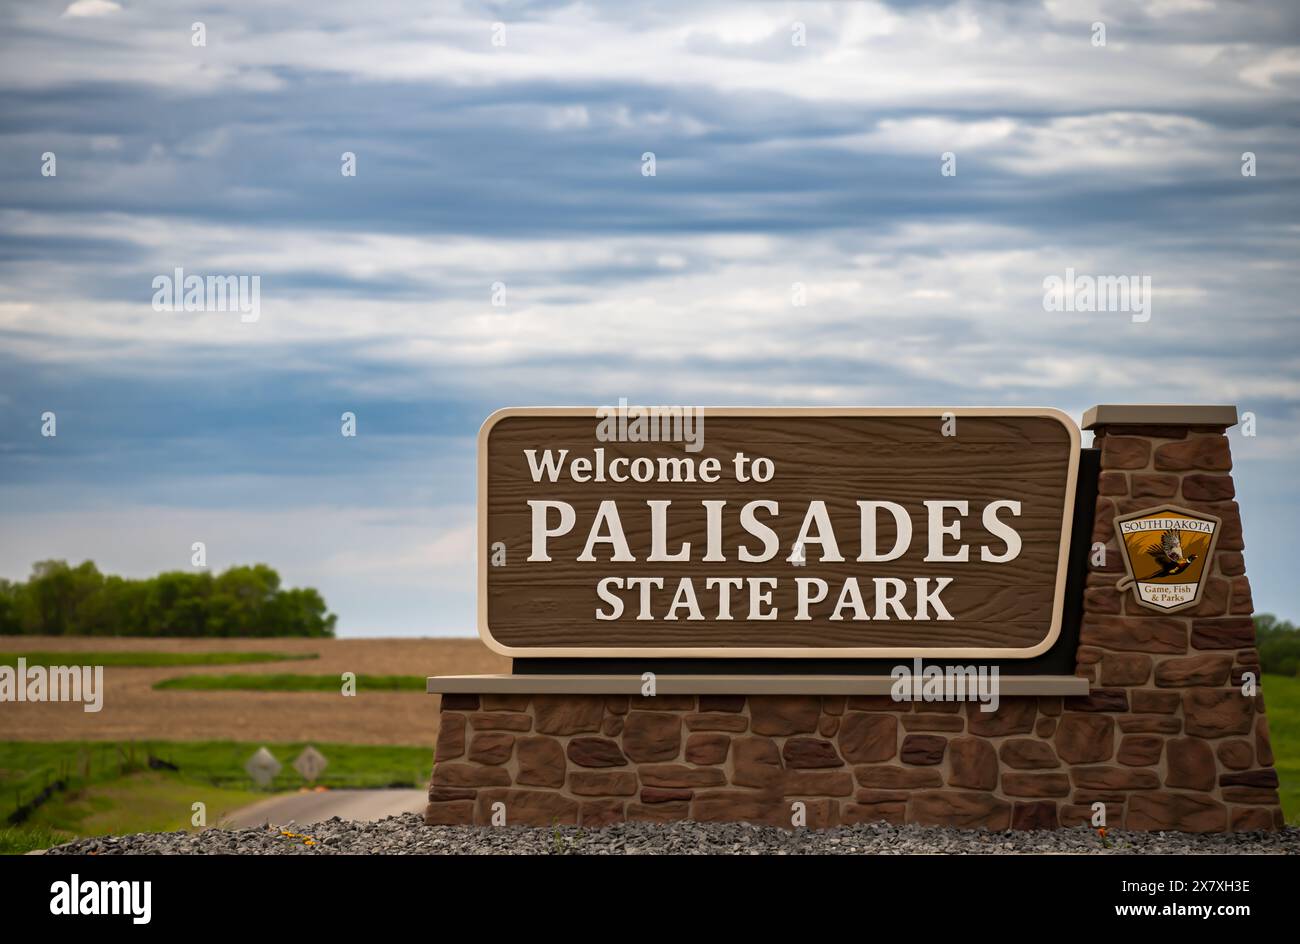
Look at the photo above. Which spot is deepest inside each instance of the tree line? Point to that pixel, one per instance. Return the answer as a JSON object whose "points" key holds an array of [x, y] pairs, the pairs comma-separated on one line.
{"points": [[62, 600]]}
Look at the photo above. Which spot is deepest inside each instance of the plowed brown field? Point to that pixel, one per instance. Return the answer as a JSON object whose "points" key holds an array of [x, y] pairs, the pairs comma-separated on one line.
{"points": [[133, 710]]}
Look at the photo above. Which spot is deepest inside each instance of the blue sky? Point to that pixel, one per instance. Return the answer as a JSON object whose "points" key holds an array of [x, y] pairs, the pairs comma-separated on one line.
{"points": [[521, 163]]}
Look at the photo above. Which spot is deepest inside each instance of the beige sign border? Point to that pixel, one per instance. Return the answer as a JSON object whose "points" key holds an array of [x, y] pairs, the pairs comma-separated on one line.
{"points": [[801, 652], [1132, 581]]}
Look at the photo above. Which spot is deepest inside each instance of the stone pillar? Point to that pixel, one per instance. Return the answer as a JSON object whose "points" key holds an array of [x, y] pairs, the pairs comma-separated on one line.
{"points": [[1175, 743]]}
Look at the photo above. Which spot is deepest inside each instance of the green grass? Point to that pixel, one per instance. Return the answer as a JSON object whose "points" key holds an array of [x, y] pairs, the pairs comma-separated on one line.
{"points": [[151, 659], [1282, 699], [292, 683], [111, 787]]}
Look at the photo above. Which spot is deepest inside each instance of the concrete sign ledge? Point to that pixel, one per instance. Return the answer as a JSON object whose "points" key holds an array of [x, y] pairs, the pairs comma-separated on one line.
{"points": [[726, 685]]}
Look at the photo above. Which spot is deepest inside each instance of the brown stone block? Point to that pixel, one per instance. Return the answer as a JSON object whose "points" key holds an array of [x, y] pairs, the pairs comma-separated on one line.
{"points": [[595, 752], [781, 715], [707, 748], [681, 777], [889, 811], [455, 813], [1237, 754], [1125, 668], [506, 702], [1190, 764], [1125, 452], [1035, 785], [1037, 815], [933, 722], [726, 703], [617, 704], [1266, 778], [714, 721], [833, 704], [1147, 701], [661, 795], [810, 753], [444, 794], [1140, 750], [1243, 603], [1014, 715], [1102, 600], [663, 702], [1214, 599], [1155, 485], [864, 738], [1214, 712], [457, 702], [1135, 633], [1045, 728], [1206, 453], [1209, 488], [880, 796], [923, 750], [1100, 699], [974, 764], [897, 778], [740, 806], [541, 762], [1185, 812], [612, 726], [451, 737], [1112, 483], [756, 762], [1192, 671], [652, 736], [1247, 820], [1263, 743], [828, 725], [808, 783], [658, 812], [500, 721], [820, 813], [1085, 738], [1076, 814], [527, 808], [1051, 705], [1255, 795], [1150, 724], [596, 813], [568, 714], [469, 775], [1114, 778], [492, 747], [1026, 754], [611, 783], [961, 809], [1231, 563]]}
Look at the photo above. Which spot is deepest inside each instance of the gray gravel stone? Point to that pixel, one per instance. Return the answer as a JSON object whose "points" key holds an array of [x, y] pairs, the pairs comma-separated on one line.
{"points": [[407, 835]]}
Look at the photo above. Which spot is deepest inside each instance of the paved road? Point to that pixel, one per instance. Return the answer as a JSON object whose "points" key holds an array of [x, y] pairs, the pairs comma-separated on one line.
{"points": [[303, 808]]}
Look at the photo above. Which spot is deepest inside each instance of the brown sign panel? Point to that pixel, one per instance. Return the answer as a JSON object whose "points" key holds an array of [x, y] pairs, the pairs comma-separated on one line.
{"points": [[784, 532]]}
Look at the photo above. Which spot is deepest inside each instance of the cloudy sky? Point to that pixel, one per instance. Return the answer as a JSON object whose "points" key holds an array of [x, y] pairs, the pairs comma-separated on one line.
{"points": [[520, 162]]}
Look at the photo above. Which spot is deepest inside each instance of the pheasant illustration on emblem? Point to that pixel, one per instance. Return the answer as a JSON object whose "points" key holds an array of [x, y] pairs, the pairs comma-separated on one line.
{"points": [[1168, 554]]}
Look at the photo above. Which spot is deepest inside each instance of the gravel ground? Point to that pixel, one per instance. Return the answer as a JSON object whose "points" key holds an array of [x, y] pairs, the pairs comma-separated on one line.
{"points": [[407, 834]]}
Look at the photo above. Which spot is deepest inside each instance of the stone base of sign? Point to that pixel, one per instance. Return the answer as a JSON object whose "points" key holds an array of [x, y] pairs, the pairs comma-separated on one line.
{"points": [[1035, 763], [1169, 737]]}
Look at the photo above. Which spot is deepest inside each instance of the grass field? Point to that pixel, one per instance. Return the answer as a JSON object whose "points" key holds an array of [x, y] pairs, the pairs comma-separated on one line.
{"points": [[1282, 699], [285, 682], [151, 659], [129, 787]]}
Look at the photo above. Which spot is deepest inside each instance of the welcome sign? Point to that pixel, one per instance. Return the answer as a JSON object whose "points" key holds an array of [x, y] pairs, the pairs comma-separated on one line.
{"points": [[787, 532]]}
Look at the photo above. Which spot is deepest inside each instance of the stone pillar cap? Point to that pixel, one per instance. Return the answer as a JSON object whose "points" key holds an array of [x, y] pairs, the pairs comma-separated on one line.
{"points": [[1159, 414]]}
